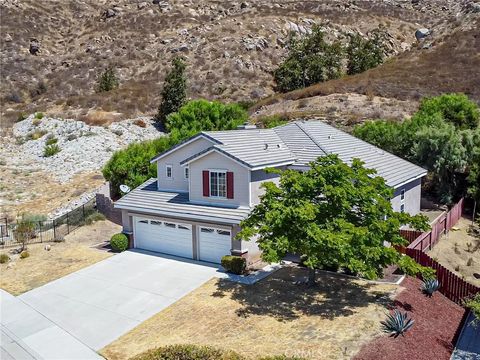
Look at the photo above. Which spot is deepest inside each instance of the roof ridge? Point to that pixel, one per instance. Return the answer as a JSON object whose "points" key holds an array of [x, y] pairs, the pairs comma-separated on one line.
{"points": [[298, 123]]}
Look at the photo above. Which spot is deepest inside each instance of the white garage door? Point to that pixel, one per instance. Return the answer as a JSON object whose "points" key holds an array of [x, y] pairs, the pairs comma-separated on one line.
{"points": [[213, 244], [163, 236]]}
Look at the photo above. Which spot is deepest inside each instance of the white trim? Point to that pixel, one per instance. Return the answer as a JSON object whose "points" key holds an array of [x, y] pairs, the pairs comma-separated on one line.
{"points": [[169, 166], [217, 171], [250, 188], [218, 152], [409, 181], [192, 139], [272, 165]]}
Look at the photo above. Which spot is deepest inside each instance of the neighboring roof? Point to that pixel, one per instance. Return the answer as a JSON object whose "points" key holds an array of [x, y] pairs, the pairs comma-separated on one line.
{"points": [[148, 199], [254, 148], [310, 139], [182, 144]]}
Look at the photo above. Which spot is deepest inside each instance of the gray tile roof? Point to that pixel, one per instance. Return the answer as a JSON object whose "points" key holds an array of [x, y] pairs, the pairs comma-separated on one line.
{"points": [[148, 199], [254, 148], [310, 139]]}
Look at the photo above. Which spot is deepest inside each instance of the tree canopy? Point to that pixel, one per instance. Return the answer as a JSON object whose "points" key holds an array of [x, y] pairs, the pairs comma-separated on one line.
{"points": [[107, 80], [131, 166], [333, 215], [174, 93], [442, 136], [364, 54], [309, 61]]}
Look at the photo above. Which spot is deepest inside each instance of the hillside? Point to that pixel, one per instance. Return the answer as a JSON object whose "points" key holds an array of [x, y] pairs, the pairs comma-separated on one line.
{"points": [[231, 48]]}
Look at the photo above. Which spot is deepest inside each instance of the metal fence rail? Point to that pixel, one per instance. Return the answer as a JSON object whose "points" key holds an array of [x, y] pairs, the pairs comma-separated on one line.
{"points": [[48, 230]]}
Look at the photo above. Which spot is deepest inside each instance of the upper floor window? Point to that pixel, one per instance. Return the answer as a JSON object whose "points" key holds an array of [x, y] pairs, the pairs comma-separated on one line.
{"points": [[402, 194], [168, 171], [402, 208], [185, 173], [218, 184]]}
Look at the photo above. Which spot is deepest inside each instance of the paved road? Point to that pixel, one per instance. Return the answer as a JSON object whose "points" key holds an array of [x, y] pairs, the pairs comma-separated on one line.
{"points": [[98, 304]]}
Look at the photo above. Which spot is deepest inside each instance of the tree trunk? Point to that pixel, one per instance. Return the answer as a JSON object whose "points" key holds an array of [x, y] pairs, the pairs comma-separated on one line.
{"points": [[311, 277]]}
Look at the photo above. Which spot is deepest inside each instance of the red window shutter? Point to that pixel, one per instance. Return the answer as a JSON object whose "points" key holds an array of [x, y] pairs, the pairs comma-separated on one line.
{"points": [[206, 183], [229, 185]]}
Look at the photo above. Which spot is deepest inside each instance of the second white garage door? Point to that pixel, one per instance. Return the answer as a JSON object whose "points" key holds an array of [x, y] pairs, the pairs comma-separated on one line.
{"points": [[163, 236], [213, 244]]}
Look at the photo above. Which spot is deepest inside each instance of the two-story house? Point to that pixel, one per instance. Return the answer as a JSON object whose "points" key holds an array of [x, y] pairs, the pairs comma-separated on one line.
{"points": [[208, 184]]}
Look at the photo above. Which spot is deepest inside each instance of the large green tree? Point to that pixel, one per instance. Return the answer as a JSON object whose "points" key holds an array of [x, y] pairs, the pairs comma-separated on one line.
{"points": [[332, 215], [174, 93], [442, 136], [310, 60], [364, 53]]}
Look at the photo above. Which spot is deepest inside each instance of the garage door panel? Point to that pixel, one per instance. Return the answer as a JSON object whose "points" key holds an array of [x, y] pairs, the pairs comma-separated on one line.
{"points": [[165, 237], [213, 244]]}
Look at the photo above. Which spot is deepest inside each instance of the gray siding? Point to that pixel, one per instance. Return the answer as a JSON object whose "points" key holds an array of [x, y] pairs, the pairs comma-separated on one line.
{"points": [[241, 189], [257, 178], [178, 182], [413, 193]]}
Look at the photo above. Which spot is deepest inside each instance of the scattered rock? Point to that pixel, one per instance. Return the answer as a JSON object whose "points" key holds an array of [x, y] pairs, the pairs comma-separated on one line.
{"points": [[109, 13], [142, 5], [7, 38], [422, 33], [34, 48], [244, 5], [47, 247]]}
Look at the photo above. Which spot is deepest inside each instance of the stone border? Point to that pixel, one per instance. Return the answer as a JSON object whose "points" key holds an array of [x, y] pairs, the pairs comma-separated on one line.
{"points": [[252, 278]]}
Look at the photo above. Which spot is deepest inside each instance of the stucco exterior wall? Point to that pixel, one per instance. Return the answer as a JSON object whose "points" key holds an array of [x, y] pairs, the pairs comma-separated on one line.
{"points": [[178, 182], [413, 194], [257, 178], [216, 161]]}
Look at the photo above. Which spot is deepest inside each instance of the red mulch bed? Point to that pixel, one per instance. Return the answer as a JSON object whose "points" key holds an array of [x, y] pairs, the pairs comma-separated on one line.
{"points": [[436, 322]]}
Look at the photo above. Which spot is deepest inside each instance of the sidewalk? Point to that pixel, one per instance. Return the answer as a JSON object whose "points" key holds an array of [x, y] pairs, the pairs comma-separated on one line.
{"points": [[468, 344], [25, 334]]}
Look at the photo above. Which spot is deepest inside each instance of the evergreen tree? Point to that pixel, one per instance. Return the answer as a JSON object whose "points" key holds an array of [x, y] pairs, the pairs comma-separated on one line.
{"points": [[364, 54], [107, 80], [174, 92]]}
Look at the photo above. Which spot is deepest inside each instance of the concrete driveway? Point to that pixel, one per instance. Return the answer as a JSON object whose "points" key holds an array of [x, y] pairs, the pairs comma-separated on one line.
{"points": [[98, 304]]}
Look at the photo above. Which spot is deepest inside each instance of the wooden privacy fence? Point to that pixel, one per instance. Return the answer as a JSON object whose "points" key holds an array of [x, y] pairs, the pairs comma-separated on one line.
{"points": [[443, 224], [452, 286]]}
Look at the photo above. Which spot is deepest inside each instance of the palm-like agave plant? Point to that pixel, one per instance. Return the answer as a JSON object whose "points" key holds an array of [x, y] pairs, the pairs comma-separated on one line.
{"points": [[430, 286], [397, 323]]}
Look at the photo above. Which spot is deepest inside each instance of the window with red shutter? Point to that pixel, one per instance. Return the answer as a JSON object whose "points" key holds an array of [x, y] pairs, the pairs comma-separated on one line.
{"points": [[230, 185], [206, 183]]}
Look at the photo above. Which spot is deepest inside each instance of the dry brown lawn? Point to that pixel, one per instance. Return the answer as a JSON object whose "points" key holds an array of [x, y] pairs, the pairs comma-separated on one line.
{"points": [[21, 275], [274, 316], [459, 251]]}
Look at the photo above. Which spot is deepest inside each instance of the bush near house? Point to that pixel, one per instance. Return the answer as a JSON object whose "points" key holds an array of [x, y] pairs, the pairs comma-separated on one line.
{"points": [[234, 264], [4, 258], [443, 136], [119, 242], [473, 303], [197, 352], [24, 254]]}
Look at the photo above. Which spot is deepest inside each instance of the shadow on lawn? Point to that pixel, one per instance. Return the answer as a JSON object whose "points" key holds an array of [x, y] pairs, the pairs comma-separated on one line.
{"points": [[279, 295]]}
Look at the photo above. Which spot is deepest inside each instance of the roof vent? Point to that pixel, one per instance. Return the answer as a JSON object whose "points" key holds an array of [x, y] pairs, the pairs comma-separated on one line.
{"points": [[265, 147], [246, 126], [279, 146], [330, 137]]}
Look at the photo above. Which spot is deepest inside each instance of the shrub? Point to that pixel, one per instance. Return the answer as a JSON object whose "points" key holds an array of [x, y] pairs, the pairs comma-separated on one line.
{"points": [[429, 286], [39, 115], [71, 137], [309, 61], [36, 134], [188, 352], [21, 116], [364, 54], [397, 324], [51, 150], [25, 230], [4, 258], [272, 121], [234, 264], [473, 303], [174, 93], [96, 216], [119, 242], [107, 80], [36, 122], [24, 254], [51, 140]]}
